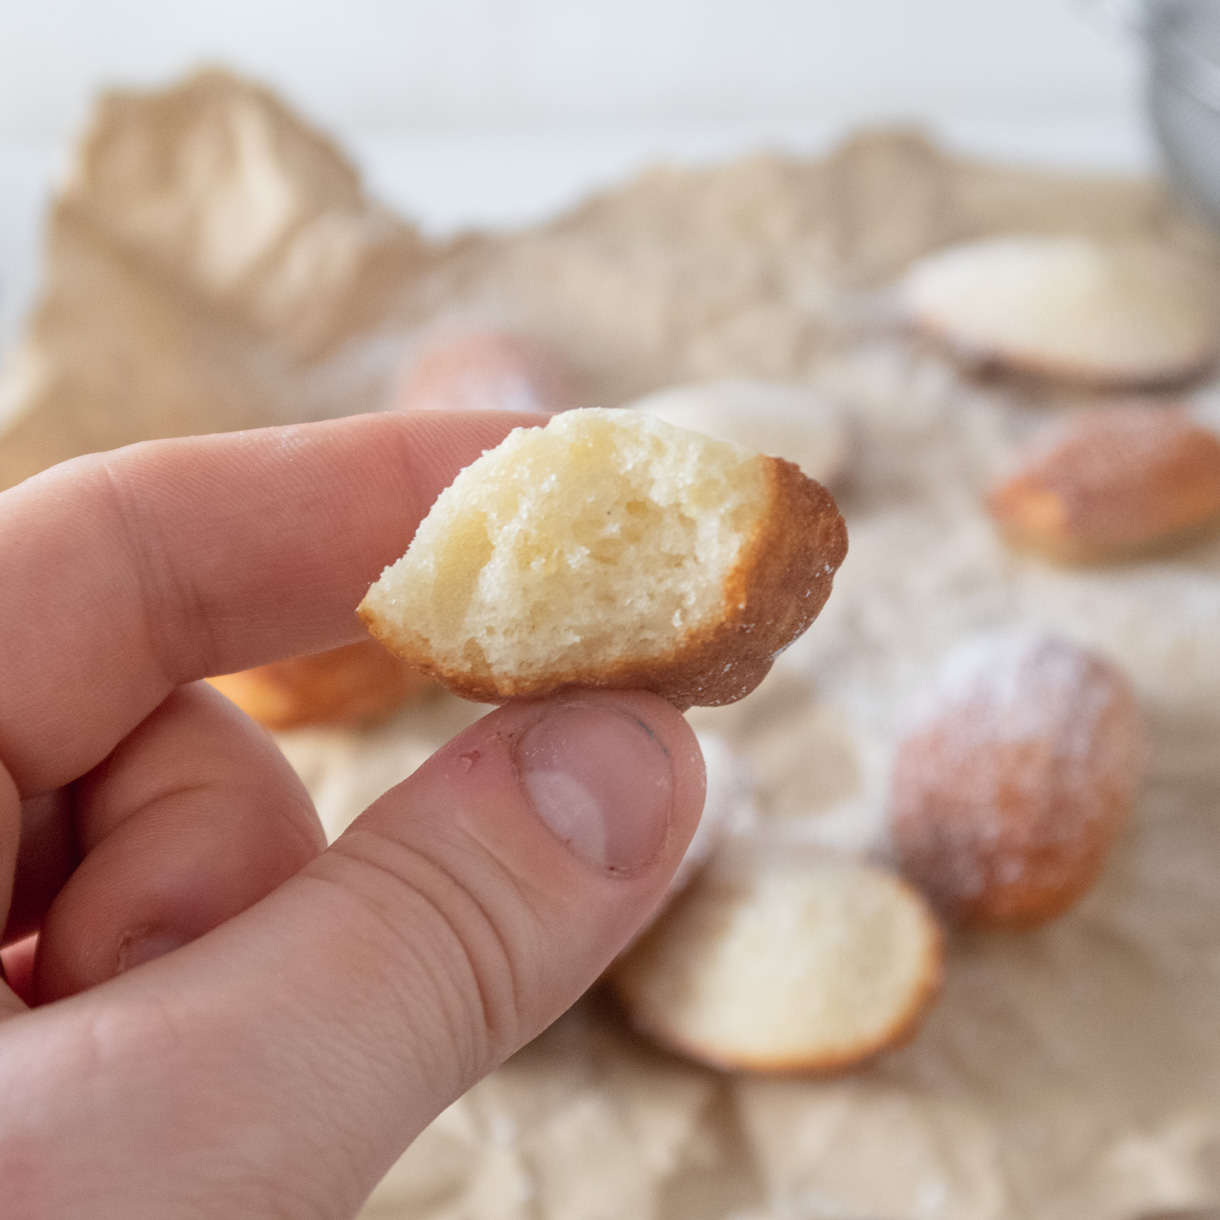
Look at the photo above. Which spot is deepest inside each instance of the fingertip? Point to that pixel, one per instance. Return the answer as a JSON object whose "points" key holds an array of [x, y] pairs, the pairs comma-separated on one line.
{"points": [[616, 777]]}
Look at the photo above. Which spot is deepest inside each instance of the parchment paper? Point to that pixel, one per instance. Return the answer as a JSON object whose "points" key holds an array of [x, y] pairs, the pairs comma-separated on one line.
{"points": [[213, 263]]}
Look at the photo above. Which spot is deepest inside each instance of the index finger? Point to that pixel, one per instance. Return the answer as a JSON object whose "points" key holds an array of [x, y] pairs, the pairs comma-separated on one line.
{"points": [[125, 574]]}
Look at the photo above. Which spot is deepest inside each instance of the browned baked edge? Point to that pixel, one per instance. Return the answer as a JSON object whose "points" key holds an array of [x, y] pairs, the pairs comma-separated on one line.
{"points": [[776, 591], [900, 1034]]}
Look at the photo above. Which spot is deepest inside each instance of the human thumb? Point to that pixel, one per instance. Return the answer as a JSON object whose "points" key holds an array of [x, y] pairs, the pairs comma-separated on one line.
{"points": [[312, 1037]]}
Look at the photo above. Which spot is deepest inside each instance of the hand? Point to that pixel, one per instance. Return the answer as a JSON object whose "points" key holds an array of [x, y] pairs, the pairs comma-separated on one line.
{"points": [[227, 1018]]}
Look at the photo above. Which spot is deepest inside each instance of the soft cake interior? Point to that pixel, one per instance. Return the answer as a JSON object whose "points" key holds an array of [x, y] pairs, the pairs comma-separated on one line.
{"points": [[604, 535], [789, 966]]}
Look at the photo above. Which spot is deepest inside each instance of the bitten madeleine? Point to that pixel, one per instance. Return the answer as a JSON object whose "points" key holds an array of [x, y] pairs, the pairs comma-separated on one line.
{"points": [[785, 962], [1013, 782], [611, 549], [1102, 315], [351, 685], [1110, 483]]}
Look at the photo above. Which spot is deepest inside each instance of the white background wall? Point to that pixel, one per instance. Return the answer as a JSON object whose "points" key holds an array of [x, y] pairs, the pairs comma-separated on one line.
{"points": [[397, 64]]}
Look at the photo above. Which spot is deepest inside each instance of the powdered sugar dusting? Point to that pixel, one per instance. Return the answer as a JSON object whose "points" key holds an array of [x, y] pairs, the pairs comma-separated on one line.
{"points": [[1019, 685], [1014, 776]]}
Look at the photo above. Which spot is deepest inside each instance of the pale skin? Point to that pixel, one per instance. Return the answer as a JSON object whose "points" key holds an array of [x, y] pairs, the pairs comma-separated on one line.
{"points": [[220, 1016]]}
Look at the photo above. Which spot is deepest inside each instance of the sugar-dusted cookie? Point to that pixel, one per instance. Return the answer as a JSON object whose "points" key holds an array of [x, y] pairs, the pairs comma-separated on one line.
{"points": [[1014, 778]]}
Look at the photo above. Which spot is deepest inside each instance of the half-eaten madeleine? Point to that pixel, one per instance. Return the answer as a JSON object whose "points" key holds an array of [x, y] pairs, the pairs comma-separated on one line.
{"points": [[611, 549]]}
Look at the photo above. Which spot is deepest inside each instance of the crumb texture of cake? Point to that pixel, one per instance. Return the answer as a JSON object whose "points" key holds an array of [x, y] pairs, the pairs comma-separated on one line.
{"points": [[1072, 308], [611, 549], [1111, 482], [1015, 779], [785, 965]]}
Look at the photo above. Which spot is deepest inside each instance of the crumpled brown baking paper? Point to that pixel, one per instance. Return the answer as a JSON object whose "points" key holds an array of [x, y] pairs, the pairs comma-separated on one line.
{"points": [[212, 263]]}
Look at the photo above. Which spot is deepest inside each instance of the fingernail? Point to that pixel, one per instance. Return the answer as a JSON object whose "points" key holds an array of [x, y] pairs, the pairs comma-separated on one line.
{"points": [[601, 781], [145, 944]]}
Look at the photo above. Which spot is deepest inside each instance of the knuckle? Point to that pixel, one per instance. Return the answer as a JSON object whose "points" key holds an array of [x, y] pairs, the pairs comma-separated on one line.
{"points": [[462, 937], [175, 609]]}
